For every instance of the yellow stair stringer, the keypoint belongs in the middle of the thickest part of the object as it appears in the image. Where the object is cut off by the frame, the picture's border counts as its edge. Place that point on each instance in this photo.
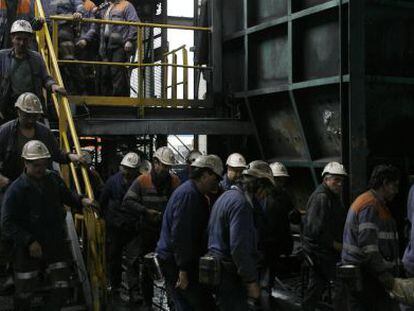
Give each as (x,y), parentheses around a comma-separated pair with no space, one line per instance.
(94,226)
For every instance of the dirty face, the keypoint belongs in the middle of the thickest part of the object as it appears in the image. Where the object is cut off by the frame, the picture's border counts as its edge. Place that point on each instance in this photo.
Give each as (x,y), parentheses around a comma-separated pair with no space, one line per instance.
(37,168)
(334,183)
(27,120)
(390,189)
(209,182)
(128,173)
(234,173)
(21,42)
(159,168)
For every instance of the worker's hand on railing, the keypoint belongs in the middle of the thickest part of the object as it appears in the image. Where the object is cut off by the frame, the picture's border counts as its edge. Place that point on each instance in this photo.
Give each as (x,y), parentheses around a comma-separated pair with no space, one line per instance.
(59,90)
(78,159)
(128,47)
(81,43)
(37,23)
(86,202)
(77,16)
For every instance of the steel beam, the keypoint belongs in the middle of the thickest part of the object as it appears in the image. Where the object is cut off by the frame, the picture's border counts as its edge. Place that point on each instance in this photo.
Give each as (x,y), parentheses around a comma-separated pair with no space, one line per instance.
(109,101)
(272,22)
(301,85)
(357,150)
(103,127)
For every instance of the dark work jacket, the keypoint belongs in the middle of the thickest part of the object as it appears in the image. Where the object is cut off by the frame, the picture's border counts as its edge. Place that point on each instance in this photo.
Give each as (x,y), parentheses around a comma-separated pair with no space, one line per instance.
(110,201)
(232,235)
(275,238)
(36,213)
(323,224)
(183,237)
(142,196)
(225,183)
(41,79)
(10,155)
(370,237)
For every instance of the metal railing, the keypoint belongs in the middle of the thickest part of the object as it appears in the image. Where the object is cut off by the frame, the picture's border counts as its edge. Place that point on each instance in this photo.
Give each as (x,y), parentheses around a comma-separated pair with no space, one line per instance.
(174,73)
(94,225)
(165,64)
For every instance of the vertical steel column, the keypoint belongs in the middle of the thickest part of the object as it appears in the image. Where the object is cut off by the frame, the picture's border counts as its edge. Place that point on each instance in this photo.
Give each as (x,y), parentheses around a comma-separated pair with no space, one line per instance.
(357,150)
(216,47)
(140,60)
(185,73)
(174,76)
(165,77)
(55,37)
(308,155)
(246,81)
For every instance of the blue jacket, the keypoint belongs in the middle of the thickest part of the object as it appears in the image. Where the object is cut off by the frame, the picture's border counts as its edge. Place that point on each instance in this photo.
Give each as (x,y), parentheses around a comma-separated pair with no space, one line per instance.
(88,31)
(115,36)
(408,258)
(225,183)
(63,7)
(183,237)
(370,237)
(41,78)
(111,199)
(11,163)
(232,233)
(35,211)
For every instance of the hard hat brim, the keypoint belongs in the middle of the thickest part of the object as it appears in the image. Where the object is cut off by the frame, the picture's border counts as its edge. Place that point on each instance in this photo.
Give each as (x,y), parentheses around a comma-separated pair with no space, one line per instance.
(281,175)
(255,173)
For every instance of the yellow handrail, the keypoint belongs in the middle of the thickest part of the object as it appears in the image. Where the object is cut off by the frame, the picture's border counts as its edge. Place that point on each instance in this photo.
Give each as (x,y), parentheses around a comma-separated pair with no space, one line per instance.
(174,80)
(95,228)
(125,23)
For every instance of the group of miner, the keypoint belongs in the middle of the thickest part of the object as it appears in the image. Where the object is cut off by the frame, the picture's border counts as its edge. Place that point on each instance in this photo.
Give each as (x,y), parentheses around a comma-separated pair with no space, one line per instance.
(216,237)
(23,70)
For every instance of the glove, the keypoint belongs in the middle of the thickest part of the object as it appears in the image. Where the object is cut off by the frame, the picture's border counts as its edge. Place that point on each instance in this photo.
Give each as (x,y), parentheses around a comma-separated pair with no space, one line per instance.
(403,291)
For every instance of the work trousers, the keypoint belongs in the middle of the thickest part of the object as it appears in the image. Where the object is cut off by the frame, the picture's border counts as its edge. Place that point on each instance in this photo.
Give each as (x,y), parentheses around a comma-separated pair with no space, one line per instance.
(117,240)
(73,74)
(373,296)
(195,298)
(149,242)
(90,77)
(27,273)
(114,79)
(231,294)
(322,277)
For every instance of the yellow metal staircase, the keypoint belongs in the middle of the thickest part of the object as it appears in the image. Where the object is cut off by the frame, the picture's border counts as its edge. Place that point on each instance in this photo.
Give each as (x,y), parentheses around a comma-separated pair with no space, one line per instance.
(94,226)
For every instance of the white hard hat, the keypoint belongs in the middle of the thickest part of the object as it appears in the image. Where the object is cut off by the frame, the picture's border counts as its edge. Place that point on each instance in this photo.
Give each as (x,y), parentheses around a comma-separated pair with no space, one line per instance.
(29,102)
(35,150)
(131,160)
(21,25)
(259,169)
(192,156)
(279,170)
(210,161)
(165,155)
(236,160)
(334,168)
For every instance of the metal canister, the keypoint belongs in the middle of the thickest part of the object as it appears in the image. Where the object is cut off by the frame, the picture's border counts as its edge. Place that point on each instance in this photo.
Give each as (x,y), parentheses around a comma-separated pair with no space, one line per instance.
(209,271)
(350,275)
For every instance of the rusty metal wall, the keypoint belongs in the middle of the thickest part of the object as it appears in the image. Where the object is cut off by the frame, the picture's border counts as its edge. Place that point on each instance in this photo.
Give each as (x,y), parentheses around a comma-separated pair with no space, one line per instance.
(324,80)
